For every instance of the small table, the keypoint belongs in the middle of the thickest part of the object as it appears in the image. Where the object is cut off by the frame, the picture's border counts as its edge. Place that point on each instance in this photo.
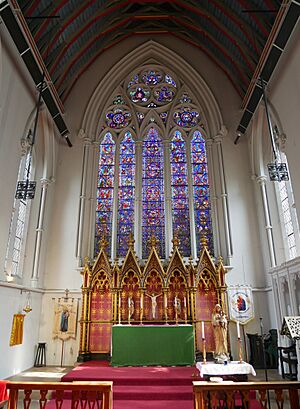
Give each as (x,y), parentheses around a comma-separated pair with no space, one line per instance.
(233,370)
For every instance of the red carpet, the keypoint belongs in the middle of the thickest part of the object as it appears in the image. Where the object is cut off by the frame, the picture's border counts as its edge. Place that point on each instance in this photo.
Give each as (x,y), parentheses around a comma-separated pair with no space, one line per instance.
(141,387)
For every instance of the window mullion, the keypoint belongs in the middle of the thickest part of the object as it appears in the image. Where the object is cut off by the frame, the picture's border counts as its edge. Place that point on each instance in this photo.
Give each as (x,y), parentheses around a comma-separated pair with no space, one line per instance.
(168,198)
(114,228)
(191,199)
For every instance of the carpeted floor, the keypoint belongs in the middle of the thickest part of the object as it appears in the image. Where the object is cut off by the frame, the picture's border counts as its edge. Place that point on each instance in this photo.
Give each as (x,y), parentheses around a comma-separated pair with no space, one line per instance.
(141,387)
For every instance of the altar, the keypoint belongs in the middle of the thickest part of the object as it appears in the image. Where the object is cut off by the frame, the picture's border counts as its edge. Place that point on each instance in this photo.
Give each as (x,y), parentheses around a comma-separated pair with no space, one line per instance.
(234,369)
(139,345)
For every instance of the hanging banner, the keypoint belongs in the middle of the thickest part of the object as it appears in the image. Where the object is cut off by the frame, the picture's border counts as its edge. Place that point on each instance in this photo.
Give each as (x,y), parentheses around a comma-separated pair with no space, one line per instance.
(65,319)
(16,336)
(240,303)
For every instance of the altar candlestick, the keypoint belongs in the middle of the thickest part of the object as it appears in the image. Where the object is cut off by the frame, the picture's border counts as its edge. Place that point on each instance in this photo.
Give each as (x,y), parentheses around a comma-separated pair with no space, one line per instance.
(203,333)
(238,329)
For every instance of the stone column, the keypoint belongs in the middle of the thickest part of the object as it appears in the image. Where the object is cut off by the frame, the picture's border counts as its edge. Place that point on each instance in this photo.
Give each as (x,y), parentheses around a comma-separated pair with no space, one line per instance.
(82,197)
(218,140)
(261,180)
(94,157)
(39,232)
(213,195)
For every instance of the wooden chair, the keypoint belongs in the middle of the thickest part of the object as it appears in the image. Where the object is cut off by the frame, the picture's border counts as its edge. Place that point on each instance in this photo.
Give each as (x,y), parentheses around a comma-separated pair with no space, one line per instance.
(288,355)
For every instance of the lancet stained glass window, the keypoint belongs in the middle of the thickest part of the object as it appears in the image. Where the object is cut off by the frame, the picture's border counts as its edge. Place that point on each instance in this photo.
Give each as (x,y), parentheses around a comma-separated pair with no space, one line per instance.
(179,186)
(201,189)
(126,193)
(105,190)
(153,219)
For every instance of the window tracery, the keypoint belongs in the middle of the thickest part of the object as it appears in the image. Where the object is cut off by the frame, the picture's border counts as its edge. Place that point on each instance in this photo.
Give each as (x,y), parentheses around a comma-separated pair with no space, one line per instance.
(157,154)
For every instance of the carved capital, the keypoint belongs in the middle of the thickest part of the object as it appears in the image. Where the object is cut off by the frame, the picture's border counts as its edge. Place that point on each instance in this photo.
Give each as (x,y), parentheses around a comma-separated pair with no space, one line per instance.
(261,180)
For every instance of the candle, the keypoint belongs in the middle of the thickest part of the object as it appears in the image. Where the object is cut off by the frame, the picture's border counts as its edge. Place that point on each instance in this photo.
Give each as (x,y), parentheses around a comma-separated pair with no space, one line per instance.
(184,302)
(203,333)
(238,329)
(141,302)
(120,301)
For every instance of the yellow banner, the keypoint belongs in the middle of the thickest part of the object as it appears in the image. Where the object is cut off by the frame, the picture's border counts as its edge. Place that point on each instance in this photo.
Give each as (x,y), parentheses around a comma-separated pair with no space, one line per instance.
(16,336)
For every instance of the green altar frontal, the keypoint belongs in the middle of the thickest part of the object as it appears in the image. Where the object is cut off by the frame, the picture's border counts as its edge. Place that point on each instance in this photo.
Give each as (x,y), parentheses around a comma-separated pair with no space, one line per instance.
(153,345)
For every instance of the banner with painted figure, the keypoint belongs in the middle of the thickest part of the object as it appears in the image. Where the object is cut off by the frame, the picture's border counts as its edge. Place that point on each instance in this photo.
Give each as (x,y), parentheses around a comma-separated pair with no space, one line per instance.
(65,319)
(240,303)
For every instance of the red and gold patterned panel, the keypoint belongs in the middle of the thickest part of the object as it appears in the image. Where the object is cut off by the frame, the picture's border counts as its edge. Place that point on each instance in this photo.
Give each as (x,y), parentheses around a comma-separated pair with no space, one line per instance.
(100,338)
(177,288)
(130,288)
(101,315)
(205,302)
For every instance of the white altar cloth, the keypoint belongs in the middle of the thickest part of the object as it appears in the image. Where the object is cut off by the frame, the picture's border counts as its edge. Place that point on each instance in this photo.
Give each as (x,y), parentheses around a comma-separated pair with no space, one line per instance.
(232,368)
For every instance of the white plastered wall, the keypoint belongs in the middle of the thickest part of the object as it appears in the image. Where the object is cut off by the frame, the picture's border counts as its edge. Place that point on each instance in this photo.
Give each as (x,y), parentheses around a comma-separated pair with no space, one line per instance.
(17,113)
(62,266)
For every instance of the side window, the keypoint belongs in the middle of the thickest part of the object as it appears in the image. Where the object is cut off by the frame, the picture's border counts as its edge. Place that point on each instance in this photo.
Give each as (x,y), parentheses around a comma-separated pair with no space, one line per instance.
(13,264)
(288,216)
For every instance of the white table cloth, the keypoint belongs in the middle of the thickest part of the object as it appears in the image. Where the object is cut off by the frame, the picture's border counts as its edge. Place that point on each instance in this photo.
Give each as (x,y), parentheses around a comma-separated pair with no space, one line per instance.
(232,368)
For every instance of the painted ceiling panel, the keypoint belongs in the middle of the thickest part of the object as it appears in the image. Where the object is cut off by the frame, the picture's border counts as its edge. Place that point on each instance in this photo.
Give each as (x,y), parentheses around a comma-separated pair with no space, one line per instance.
(71,34)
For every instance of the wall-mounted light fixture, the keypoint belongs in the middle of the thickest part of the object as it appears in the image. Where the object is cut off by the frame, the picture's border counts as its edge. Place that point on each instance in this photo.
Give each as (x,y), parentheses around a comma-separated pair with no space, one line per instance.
(277,170)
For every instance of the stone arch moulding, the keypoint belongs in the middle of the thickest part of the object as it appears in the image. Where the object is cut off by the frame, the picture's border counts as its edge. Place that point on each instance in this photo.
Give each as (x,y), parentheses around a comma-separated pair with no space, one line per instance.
(152,52)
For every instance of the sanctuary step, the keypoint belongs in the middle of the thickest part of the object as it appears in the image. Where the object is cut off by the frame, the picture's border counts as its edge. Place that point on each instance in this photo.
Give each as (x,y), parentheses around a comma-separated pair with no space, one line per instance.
(154,392)
(142,387)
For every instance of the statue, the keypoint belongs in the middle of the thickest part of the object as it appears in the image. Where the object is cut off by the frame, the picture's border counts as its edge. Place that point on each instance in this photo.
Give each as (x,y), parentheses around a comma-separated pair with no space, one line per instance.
(153,303)
(219,322)
(130,307)
(177,306)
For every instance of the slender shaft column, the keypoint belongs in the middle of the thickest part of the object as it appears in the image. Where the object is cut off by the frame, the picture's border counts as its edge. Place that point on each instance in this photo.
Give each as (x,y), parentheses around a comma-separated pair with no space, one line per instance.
(92,199)
(213,196)
(224,196)
(82,198)
(138,198)
(39,233)
(262,182)
(168,199)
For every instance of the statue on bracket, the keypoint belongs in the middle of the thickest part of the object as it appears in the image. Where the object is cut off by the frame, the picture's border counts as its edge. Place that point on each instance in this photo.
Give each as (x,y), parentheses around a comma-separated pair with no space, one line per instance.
(219,322)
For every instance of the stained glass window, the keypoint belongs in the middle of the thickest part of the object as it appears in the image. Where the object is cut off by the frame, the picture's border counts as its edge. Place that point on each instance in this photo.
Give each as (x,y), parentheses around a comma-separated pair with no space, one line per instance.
(152,77)
(153,220)
(186,117)
(105,190)
(179,185)
(126,193)
(201,189)
(149,99)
